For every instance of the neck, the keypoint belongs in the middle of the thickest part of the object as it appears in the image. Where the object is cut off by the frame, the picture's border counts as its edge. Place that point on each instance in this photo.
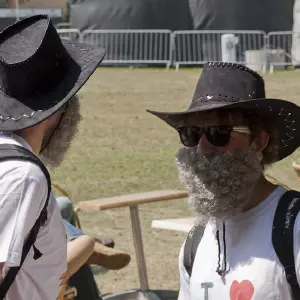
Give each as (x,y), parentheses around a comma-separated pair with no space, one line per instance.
(33,136)
(261,191)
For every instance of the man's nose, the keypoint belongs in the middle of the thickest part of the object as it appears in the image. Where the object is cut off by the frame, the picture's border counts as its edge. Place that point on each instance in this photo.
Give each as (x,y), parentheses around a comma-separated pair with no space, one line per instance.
(204,147)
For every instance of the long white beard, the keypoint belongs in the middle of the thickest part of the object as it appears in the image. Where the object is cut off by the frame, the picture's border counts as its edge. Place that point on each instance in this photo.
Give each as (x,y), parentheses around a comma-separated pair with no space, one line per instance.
(219,184)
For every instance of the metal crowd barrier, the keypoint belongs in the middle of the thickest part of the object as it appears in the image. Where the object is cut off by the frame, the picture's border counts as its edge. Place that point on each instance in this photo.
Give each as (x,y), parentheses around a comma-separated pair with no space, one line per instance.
(255,49)
(197,47)
(279,49)
(70,34)
(132,46)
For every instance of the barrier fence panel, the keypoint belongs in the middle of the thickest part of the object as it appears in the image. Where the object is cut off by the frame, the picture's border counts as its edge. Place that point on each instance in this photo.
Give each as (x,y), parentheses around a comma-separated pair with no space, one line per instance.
(197,47)
(69,34)
(132,46)
(279,49)
(164,47)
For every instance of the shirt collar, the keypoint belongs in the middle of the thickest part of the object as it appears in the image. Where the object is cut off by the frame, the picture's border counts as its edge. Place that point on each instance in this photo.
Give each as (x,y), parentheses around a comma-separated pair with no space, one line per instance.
(12,138)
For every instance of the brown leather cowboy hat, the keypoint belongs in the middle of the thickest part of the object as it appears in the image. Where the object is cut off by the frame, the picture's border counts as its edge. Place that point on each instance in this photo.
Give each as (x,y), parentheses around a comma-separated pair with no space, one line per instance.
(226,85)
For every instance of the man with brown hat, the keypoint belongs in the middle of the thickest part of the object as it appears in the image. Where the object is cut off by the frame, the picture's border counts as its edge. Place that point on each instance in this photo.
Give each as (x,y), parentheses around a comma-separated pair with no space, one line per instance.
(246,241)
(40,75)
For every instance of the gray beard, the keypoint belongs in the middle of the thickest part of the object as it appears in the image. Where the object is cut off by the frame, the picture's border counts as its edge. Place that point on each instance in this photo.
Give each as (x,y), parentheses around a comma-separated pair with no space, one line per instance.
(219,184)
(53,155)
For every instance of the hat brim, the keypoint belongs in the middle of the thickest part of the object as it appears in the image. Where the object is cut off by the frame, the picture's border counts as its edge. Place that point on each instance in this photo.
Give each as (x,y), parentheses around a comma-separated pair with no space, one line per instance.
(286,118)
(84,60)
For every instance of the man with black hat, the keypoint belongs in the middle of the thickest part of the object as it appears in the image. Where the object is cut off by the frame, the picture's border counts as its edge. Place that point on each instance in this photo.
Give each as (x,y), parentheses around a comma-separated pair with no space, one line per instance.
(246,241)
(39,112)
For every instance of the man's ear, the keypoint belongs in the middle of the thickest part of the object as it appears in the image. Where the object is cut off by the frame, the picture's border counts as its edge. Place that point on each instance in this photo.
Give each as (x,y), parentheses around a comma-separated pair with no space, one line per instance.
(261,141)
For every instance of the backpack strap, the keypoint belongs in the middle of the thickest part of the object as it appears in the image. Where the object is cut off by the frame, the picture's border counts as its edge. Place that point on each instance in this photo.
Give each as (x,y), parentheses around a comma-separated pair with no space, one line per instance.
(15,152)
(283,237)
(190,248)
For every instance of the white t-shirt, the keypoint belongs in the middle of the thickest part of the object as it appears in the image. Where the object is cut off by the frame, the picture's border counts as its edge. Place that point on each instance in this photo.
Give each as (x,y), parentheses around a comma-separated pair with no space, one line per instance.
(23,193)
(254,270)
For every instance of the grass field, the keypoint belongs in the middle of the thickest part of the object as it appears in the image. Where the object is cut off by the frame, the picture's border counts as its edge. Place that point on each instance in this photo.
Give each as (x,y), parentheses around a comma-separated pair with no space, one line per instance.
(122,149)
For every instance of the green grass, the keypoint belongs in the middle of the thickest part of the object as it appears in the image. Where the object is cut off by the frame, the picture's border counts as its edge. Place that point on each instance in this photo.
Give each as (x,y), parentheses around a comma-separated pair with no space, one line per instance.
(120,148)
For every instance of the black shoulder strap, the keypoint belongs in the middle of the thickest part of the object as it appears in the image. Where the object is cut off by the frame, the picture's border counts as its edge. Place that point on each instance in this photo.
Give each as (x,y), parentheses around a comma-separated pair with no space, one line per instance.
(14,152)
(283,236)
(190,248)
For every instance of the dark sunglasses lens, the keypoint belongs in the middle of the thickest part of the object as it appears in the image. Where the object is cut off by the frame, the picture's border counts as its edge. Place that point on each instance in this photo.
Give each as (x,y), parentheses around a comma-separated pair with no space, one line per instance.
(190,137)
(218,136)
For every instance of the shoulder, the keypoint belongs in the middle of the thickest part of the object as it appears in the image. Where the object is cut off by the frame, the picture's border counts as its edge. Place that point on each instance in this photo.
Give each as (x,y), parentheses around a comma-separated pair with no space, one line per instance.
(297,246)
(182,270)
(21,169)
(288,208)
(295,210)
(20,175)
(297,225)
(181,253)
(297,233)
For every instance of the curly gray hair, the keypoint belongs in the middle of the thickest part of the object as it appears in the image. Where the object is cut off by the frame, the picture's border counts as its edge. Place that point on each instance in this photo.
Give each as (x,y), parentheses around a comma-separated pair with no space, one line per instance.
(59,144)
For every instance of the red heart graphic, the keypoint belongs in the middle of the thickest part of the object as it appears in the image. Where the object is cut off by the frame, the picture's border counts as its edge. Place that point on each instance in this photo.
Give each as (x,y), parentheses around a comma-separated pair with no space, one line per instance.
(241,291)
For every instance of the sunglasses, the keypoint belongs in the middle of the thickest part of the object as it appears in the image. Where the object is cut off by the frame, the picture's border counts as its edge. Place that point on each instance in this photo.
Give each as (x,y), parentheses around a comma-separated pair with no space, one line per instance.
(218,136)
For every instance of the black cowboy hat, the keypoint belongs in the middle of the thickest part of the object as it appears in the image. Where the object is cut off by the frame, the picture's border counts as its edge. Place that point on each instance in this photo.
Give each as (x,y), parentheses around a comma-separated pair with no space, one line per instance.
(226,85)
(39,72)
